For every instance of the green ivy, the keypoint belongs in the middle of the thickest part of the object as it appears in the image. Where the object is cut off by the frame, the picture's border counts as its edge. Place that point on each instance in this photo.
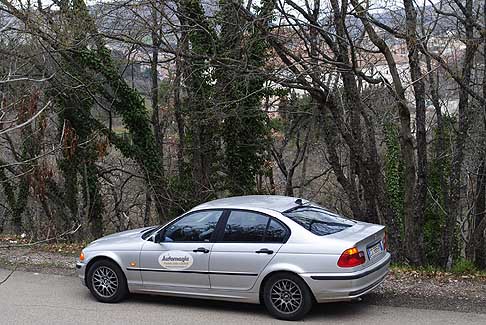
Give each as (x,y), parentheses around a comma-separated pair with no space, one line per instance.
(394,169)
(434,212)
(245,131)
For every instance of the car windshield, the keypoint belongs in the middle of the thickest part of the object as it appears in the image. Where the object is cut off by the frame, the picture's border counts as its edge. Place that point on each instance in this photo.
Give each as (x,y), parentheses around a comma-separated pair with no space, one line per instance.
(318,220)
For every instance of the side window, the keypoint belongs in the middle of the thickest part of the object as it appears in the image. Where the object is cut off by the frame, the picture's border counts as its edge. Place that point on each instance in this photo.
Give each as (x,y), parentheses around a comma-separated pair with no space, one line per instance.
(198,226)
(276,233)
(244,226)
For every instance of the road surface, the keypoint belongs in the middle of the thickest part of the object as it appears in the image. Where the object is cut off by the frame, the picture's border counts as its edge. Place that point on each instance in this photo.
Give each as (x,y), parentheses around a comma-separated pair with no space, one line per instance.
(32,298)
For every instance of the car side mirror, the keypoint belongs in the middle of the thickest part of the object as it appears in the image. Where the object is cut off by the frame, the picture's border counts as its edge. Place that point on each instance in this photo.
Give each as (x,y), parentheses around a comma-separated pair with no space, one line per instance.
(160,238)
(156,238)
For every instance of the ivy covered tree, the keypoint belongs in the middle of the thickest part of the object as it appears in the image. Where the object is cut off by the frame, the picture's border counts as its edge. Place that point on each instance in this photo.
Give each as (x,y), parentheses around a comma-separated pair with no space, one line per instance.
(239,92)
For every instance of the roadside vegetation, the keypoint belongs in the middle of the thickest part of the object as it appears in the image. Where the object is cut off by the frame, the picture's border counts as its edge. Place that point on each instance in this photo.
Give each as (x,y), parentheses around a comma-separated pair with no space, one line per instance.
(463,269)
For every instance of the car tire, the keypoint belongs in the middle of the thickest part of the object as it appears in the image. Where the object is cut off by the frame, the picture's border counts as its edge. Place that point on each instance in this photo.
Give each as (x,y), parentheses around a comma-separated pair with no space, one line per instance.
(287,297)
(107,282)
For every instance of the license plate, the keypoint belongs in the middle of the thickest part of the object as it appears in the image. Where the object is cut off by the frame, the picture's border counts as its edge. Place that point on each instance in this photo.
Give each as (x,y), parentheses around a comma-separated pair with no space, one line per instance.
(375,250)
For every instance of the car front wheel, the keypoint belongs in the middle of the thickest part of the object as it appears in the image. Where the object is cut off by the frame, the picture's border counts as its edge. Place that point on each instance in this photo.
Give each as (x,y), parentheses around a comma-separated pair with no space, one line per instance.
(287,297)
(106,281)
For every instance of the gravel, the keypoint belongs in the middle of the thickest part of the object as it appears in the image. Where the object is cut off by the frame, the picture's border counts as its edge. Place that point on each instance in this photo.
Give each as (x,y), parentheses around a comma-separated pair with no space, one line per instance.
(35,260)
(445,292)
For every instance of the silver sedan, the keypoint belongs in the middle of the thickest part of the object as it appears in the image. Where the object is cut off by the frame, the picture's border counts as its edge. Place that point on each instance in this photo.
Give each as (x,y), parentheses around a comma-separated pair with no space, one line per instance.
(284,252)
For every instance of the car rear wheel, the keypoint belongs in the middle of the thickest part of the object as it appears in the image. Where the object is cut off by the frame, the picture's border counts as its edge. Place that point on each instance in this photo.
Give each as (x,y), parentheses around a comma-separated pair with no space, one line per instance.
(107,282)
(287,297)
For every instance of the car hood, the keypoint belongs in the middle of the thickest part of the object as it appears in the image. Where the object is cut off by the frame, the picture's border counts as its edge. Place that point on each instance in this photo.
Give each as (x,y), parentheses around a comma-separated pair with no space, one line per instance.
(118,238)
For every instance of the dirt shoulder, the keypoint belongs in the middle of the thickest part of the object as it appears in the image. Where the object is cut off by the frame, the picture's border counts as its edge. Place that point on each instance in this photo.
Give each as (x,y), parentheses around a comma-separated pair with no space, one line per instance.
(52,259)
(402,288)
(437,291)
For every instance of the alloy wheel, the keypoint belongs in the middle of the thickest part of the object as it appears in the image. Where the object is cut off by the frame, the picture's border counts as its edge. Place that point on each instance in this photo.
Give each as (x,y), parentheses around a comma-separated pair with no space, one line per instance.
(286,296)
(105,281)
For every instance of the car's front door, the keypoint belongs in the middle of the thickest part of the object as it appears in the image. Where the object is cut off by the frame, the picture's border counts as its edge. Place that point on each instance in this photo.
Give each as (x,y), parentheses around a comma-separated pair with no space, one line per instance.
(179,254)
(249,242)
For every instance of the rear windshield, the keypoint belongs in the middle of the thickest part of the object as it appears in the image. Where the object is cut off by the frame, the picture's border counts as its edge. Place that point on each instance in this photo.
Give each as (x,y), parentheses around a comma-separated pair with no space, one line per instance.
(319,221)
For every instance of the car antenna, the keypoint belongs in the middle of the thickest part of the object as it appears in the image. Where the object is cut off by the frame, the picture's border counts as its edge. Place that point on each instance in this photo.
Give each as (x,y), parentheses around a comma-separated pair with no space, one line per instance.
(299,202)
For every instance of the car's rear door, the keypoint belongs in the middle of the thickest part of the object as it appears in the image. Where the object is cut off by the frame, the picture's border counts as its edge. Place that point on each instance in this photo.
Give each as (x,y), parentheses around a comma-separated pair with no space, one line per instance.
(248,243)
(179,255)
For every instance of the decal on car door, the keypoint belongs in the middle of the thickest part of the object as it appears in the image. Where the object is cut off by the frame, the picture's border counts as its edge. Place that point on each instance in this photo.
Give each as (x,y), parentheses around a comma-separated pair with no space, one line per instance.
(176,260)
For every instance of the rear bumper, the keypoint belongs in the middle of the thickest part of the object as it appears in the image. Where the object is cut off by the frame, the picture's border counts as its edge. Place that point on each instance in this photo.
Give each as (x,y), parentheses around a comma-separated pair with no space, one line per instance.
(346,286)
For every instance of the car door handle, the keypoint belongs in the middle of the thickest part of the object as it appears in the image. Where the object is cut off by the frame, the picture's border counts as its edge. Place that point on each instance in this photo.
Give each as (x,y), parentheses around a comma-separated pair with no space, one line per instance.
(202,250)
(264,251)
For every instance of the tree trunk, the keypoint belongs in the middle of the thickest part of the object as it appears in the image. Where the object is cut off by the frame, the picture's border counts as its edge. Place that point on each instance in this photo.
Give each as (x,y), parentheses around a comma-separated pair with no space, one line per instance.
(414,223)
(477,242)
(440,148)
(475,246)
(93,205)
(407,152)
(303,176)
(178,109)
(154,92)
(331,141)
(148,207)
(289,184)
(447,249)
(360,160)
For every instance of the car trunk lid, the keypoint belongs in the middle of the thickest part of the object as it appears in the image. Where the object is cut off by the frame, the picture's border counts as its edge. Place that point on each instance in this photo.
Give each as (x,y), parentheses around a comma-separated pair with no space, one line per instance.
(367,238)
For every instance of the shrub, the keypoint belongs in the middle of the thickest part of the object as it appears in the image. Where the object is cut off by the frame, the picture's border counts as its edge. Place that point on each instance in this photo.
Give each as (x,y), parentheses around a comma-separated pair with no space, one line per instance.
(464,267)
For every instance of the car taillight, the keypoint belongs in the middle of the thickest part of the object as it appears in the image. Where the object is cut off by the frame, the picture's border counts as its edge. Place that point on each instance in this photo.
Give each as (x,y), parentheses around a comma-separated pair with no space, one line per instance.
(351,258)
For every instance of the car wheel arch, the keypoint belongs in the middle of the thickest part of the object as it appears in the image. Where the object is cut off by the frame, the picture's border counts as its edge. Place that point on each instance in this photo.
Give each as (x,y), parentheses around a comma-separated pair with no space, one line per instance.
(270,274)
(100,258)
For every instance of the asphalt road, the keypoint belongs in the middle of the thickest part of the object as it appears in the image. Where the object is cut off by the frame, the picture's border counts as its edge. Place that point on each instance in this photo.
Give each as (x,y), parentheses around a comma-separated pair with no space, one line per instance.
(32,298)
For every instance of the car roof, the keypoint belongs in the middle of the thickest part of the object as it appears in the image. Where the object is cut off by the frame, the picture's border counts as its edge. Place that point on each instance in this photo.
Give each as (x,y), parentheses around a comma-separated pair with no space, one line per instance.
(271,202)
